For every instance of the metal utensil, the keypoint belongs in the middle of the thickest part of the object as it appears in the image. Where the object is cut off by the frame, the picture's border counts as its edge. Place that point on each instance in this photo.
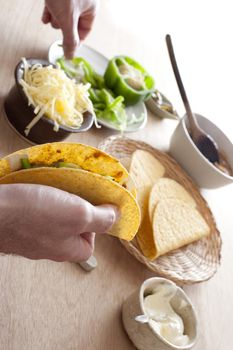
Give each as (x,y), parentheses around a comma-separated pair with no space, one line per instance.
(204,142)
(160,106)
(90,264)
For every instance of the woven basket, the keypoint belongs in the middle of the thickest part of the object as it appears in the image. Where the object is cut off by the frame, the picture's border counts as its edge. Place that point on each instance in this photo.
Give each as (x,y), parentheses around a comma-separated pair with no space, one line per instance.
(196,262)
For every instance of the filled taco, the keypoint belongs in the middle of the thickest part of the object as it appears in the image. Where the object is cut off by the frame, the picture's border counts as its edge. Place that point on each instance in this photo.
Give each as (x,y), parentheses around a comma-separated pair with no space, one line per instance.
(79,169)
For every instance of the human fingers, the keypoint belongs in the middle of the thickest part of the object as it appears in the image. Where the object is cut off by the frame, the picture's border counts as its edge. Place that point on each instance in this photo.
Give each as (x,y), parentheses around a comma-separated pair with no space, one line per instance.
(75,248)
(84,247)
(89,237)
(102,218)
(54,23)
(85,24)
(78,248)
(46,17)
(70,37)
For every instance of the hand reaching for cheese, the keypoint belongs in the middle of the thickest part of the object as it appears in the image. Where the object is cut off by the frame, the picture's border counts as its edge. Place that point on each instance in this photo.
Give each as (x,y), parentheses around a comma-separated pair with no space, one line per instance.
(74,17)
(41,222)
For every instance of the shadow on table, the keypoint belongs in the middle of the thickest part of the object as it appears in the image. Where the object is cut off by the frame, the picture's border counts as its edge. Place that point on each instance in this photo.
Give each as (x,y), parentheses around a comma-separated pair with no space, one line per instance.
(113,335)
(113,257)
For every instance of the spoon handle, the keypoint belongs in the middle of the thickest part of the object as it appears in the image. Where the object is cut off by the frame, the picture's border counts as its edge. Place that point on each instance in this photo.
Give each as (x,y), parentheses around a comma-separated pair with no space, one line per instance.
(192,118)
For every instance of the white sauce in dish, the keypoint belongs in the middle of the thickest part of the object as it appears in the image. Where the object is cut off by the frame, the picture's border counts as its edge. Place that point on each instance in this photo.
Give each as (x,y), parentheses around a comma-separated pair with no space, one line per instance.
(162,318)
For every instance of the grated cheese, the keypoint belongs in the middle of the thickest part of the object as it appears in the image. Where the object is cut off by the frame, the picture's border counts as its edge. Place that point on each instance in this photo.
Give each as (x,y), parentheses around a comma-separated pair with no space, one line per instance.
(56,96)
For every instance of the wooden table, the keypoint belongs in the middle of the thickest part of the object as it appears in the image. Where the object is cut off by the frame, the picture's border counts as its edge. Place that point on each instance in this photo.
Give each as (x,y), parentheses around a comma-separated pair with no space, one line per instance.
(57,306)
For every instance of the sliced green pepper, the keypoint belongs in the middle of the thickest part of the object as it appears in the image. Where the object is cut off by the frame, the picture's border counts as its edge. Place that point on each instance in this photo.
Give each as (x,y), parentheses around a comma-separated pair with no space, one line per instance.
(25,163)
(127,78)
(110,108)
(79,69)
(66,165)
(107,105)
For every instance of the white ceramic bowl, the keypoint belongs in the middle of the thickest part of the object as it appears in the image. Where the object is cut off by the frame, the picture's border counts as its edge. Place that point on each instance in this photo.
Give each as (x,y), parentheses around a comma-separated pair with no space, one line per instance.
(203,172)
(142,334)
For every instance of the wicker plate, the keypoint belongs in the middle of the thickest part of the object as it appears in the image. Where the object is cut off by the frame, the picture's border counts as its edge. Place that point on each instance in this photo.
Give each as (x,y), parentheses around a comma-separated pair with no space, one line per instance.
(193,263)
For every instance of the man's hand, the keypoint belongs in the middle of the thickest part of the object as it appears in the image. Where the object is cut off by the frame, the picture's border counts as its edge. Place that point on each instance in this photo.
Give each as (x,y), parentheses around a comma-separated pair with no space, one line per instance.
(74,17)
(41,222)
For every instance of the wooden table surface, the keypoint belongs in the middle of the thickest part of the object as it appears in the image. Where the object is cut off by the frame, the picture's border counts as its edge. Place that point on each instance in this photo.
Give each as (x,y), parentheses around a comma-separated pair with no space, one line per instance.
(57,306)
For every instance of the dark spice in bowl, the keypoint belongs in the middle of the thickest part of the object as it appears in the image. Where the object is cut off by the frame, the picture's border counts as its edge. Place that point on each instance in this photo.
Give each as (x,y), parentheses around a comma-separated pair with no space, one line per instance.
(223,165)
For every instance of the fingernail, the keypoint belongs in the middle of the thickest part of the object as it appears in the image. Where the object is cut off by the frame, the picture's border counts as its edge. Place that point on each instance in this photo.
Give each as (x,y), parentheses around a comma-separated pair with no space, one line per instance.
(117,213)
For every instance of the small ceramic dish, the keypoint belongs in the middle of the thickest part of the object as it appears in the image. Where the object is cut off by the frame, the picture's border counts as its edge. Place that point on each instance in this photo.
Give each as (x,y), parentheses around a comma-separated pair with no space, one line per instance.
(160,106)
(183,149)
(20,114)
(143,335)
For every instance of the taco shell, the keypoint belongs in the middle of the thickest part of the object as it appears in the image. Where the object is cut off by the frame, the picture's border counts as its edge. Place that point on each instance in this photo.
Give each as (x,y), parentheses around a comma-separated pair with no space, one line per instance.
(171,220)
(97,177)
(94,188)
(87,157)
(169,217)
(144,170)
(175,224)
(166,188)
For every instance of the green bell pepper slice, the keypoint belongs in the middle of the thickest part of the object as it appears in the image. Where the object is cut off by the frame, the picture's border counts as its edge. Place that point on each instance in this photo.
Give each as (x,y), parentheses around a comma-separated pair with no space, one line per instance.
(25,163)
(108,107)
(79,69)
(127,78)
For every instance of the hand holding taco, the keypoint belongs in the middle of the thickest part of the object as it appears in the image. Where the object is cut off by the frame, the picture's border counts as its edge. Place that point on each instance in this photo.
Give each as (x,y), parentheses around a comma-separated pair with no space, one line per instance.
(41,222)
(76,170)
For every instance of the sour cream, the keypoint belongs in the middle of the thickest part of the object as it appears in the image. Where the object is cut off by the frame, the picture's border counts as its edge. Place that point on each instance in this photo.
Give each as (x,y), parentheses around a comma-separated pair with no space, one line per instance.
(161,316)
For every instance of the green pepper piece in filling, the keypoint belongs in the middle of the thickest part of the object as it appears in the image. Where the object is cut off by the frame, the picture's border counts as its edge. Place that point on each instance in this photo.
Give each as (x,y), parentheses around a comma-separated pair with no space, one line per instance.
(66,165)
(127,78)
(25,163)
(109,177)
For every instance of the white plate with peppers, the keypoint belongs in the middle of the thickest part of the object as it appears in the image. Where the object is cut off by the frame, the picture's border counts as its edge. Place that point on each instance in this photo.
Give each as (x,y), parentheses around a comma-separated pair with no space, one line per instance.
(118,87)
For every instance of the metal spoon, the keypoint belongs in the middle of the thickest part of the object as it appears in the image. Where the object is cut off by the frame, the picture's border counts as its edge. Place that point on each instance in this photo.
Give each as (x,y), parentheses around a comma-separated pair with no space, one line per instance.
(204,142)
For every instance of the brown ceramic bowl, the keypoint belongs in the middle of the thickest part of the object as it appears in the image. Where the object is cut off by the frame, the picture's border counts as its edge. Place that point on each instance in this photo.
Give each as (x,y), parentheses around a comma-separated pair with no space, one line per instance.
(19,114)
